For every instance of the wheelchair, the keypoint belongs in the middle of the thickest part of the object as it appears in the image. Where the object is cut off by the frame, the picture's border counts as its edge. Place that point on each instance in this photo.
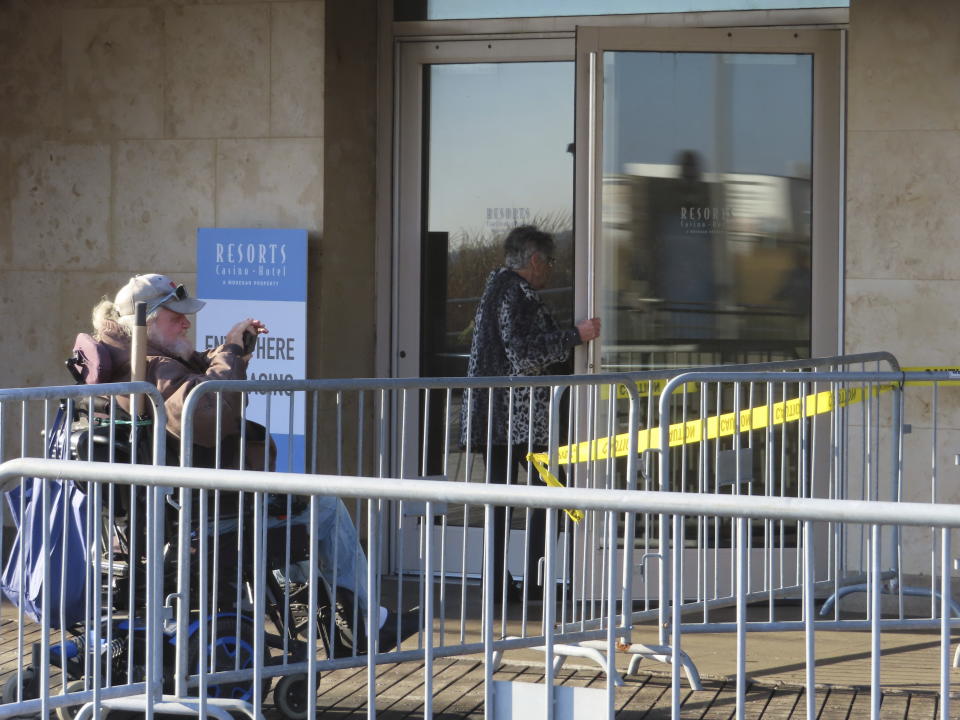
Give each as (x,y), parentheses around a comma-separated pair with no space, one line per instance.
(103,431)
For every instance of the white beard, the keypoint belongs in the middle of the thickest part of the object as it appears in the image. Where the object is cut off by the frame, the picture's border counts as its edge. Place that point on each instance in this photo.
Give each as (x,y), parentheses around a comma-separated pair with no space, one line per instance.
(180,347)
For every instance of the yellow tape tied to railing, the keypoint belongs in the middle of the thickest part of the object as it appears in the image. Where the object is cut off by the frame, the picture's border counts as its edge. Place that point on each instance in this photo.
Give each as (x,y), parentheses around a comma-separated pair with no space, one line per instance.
(695,431)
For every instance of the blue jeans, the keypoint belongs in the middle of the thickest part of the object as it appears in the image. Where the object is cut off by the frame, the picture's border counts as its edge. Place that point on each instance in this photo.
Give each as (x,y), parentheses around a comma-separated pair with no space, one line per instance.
(341,561)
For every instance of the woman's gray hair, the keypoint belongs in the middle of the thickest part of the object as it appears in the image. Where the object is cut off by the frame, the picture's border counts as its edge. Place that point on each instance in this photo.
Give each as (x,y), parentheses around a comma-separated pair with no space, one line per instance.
(105,314)
(521,244)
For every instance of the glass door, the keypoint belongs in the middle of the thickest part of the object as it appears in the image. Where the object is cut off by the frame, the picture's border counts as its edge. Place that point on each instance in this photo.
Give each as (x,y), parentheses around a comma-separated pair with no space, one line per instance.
(497,146)
(485,144)
(708,196)
(704,166)
(708,228)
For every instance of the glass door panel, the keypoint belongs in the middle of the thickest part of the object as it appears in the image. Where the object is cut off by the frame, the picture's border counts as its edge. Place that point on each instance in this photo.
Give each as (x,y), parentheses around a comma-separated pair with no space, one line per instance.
(703,254)
(710,236)
(485,144)
(497,142)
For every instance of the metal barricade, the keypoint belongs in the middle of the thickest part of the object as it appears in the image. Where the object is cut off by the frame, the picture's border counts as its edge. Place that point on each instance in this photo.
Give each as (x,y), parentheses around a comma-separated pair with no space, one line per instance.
(869,436)
(412,428)
(82,578)
(500,698)
(231,588)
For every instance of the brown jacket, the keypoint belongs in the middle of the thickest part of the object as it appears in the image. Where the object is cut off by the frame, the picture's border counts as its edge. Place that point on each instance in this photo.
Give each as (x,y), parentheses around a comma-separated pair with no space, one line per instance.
(175,378)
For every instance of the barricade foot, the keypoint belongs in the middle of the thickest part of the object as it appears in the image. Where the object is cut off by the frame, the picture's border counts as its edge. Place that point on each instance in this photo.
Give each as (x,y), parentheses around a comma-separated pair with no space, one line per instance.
(563,651)
(663,654)
(588,651)
(219,708)
(888,588)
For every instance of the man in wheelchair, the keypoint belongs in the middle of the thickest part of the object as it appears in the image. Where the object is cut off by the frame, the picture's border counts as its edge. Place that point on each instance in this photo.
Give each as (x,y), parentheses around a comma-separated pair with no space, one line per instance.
(175,367)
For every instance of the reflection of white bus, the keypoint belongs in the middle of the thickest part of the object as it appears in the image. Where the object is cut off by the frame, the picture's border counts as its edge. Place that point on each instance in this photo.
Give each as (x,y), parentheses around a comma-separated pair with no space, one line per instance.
(770,205)
(705,260)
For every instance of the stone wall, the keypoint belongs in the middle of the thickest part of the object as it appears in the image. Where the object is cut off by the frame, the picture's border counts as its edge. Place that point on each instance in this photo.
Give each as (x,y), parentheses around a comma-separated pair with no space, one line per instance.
(903,219)
(127,124)
(903,150)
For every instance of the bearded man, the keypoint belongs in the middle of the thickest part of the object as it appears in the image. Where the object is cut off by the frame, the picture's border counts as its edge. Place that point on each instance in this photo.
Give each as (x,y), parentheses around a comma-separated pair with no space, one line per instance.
(175,367)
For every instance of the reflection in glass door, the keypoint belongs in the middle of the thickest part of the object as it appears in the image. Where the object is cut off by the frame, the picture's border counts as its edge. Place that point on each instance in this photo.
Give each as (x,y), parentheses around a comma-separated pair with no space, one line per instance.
(497,141)
(704,246)
(709,200)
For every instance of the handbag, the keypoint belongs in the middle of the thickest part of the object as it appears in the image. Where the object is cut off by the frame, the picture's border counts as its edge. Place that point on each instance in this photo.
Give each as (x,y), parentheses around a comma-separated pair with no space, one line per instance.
(66,547)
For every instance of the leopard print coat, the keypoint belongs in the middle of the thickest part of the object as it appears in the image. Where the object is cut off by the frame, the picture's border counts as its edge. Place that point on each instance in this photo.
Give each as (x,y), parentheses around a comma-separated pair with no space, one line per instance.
(513,335)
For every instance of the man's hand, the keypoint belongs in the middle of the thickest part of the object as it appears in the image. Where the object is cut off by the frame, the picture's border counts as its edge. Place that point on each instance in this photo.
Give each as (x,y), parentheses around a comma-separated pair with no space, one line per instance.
(250,325)
(589,329)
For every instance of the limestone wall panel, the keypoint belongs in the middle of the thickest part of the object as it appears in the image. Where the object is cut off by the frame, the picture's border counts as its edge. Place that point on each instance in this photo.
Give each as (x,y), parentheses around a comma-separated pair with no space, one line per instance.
(919,403)
(903,218)
(345,267)
(217,71)
(6,230)
(113,60)
(34,298)
(164,192)
(296,70)
(902,58)
(912,319)
(61,206)
(903,165)
(270,183)
(31,82)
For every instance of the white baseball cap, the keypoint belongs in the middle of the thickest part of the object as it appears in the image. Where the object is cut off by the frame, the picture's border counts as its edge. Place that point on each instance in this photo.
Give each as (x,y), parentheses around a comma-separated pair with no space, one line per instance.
(155,290)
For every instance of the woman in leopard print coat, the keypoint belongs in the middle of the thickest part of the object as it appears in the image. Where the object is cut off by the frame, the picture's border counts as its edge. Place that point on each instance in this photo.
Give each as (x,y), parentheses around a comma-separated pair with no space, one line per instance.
(515,335)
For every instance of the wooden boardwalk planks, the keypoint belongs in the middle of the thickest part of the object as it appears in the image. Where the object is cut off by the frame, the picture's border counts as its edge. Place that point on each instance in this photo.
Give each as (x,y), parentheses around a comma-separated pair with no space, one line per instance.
(458,693)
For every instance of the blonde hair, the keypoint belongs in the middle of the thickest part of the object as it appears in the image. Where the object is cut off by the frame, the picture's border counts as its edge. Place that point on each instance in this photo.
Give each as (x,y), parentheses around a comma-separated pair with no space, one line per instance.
(105,314)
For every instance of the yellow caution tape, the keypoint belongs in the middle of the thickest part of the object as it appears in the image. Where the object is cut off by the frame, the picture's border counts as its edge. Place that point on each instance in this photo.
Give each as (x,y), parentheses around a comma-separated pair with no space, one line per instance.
(695,431)
(717,426)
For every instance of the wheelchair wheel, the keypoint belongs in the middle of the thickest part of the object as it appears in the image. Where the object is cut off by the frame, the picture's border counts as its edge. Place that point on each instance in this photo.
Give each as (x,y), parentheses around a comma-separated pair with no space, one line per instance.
(290,696)
(69,712)
(230,651)
(28,686)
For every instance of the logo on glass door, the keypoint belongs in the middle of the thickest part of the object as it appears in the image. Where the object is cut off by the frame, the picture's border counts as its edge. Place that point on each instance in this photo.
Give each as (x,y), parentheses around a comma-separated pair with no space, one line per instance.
(500,219)
(704,219)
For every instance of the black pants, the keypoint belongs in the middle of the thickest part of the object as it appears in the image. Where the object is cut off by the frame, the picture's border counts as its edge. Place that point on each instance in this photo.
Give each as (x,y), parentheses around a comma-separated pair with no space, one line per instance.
(500,472)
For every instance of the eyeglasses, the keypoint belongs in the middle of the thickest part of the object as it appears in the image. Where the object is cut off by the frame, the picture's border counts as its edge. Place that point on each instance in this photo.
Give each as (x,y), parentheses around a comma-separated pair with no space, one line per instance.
(179,292)
(551,261)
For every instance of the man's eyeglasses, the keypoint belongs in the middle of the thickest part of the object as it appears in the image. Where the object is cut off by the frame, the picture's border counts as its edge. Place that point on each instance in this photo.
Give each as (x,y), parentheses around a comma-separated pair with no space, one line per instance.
(551,260)
(179,292)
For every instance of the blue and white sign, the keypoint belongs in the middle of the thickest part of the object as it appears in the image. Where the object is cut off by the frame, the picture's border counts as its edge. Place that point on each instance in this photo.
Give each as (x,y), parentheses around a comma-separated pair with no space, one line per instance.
(260,274)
